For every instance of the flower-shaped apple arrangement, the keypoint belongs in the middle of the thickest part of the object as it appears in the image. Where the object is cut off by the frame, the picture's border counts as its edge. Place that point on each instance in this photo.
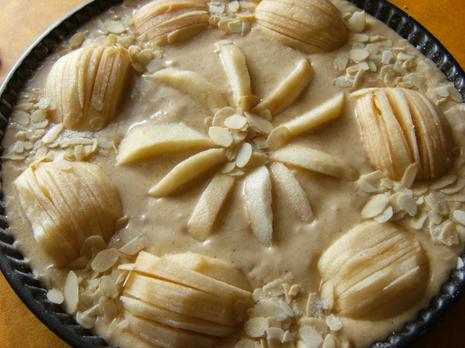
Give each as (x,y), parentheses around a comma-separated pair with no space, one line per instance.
(241,141)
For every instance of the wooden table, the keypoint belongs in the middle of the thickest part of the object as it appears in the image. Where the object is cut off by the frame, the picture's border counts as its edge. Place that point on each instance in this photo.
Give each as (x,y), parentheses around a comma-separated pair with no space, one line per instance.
(21,21)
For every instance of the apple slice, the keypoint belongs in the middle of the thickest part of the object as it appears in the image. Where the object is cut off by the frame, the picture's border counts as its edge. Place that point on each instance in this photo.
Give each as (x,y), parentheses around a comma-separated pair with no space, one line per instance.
(235,67)
(315,161)
(192,84)
(203,217)
(174,320)
(289,90)
(209,266)
(394,134)
(166,337)
(294,194)
(154,266)
(257,199)
(188,170)
(324,113)
(149,140)
(181,299)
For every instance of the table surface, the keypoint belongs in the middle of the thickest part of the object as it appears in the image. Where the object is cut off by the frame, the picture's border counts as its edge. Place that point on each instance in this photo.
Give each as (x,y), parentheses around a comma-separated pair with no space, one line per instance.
(35,16)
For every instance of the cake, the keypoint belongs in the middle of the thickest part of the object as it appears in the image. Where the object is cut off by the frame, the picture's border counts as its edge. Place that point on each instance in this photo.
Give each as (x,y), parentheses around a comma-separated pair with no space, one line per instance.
(274,173)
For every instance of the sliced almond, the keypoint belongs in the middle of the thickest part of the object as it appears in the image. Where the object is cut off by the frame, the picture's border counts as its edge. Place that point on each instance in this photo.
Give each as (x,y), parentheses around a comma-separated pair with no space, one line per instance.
(220,136)
(244,155)
(71,292)
(235,122)
(55,296)
(375,206)
(105,259)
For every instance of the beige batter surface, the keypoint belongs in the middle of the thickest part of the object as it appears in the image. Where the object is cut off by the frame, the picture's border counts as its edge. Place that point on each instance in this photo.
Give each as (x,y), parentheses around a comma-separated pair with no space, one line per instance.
(297,246)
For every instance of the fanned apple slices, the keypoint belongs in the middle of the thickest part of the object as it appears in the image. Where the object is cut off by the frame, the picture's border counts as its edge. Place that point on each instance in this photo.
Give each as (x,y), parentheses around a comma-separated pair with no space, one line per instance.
(66,202)
(309,25)
(376,270)
(85,86)
(400,127)
(170,21)
(184,300)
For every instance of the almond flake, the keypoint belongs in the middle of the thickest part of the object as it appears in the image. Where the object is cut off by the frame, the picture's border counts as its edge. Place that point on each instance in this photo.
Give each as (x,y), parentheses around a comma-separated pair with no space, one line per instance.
(108,308)
(38,116)
(244,154)
(342,82)
(104,260)
(457,187)
(107,287)
(55,296)
(77,39)
(460,263)
(407,203)
(256,327)
(418,222)
(359,54)
(220,136)
(85,320)
(115,27)
(341,61)
(132,247)
(327,295)
(71,292)
(385,216)
(274,333)
(387,57)
(21,117)
(435,201)
(259,124)
(330,341)
(409,176)
(357,22)
(459,216)
(235,122)
(333,322)
(228,167)
(448,234)
(310,336)
(52,134)
(444,182)
(375,206)
(312,307)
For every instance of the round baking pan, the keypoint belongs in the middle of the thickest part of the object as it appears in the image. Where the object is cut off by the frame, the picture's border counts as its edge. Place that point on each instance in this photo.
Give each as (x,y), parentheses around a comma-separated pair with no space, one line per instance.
(15,266)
